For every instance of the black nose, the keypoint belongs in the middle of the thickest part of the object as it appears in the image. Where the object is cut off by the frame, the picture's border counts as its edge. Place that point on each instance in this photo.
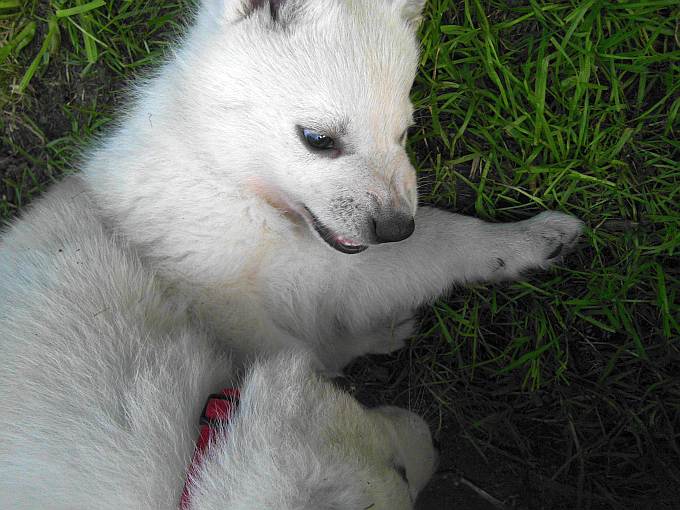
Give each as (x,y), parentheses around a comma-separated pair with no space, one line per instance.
(394,227)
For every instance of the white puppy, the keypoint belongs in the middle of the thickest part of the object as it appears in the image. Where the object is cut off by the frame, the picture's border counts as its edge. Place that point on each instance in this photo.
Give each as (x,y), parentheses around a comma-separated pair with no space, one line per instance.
(263,171)
(103,379)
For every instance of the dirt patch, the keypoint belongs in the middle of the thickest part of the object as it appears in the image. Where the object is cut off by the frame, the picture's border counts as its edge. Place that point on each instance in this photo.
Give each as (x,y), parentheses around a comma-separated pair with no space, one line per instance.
(43,130)
(566,447)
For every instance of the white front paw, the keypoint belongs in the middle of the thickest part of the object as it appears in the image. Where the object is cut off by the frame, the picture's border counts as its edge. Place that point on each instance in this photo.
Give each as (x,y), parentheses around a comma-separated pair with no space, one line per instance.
(551,235)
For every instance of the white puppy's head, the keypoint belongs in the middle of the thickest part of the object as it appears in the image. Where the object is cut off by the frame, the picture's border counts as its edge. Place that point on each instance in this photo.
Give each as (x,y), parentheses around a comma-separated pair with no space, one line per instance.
(306,104)
(298,443)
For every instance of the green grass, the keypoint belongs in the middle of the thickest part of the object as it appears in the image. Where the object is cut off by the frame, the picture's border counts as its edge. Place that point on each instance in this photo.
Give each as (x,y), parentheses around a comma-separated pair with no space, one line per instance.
(573,377)
(570,106)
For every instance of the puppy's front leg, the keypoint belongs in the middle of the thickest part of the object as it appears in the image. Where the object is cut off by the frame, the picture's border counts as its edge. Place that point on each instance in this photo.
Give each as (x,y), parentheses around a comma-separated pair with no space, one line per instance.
(446,249)
(349,305)
(475,250)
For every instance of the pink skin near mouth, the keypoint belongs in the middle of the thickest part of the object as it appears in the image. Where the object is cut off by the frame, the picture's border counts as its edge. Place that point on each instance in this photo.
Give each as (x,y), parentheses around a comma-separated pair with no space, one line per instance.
(345,241)
(277,199)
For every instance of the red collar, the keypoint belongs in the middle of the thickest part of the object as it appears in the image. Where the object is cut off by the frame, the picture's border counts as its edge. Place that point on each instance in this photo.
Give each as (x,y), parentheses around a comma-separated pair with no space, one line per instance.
(219,409)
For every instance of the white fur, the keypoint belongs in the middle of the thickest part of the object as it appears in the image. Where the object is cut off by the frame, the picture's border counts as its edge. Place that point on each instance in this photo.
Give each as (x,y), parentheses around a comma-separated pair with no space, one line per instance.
(103,380)
(185,241)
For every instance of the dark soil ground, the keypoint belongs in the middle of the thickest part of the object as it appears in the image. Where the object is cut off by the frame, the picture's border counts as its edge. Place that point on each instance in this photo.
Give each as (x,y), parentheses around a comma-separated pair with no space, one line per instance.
(515,449)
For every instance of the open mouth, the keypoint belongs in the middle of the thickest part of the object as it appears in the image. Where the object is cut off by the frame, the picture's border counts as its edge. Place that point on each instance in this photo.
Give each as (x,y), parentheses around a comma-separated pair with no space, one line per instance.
(341,243)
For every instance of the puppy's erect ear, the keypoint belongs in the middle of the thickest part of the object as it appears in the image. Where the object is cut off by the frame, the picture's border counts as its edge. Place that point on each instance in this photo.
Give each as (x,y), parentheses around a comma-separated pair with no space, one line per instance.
(411,11)
(274,6)
(233,10)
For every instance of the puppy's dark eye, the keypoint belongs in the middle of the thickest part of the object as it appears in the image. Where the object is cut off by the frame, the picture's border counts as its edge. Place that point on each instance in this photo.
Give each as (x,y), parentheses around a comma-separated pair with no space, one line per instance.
(317,140)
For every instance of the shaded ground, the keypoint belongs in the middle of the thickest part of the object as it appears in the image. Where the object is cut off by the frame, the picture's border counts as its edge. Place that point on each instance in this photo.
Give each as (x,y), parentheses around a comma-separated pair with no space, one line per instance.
(562,392)
(527,450)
